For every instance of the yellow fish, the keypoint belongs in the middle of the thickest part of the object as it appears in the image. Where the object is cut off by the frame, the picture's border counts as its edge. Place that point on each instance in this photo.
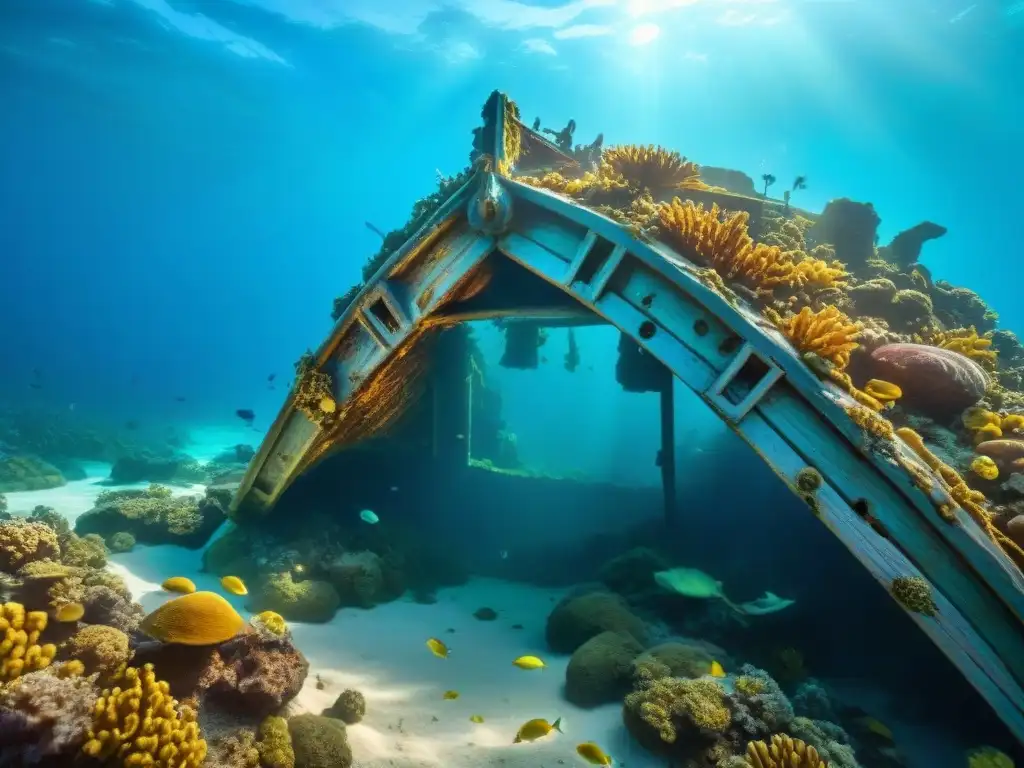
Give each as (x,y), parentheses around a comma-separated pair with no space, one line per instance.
(179,584)
(451,695)
(877,727)
(234,585)
(529,662)
(532,730)
(717,670)
(437,648)
(593,754)
(476,718)
(70,612)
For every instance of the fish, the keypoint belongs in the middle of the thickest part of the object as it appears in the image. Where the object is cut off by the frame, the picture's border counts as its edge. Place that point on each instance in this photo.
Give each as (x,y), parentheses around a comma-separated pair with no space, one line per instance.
(450,695)
(876,727)
(70,612)
(532,730)
(234,585)
(476,718)
(503,554)
(437,648)
(271,377)
(246,415)
(179,584)
(717,670)
(369,516)
(529,662)
(593,754)
(180,399)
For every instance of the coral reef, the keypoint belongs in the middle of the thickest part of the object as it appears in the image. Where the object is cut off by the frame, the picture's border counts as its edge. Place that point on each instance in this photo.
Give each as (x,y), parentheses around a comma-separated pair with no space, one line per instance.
(578,618)
(850,227)
(310,600)
(154,516)
(24,542)
(100,649)
(275,744)
(145,467)
(349,707)
(358,578)
(829,333)
(601,670)
(20,651)
(783,752)
(28,473)
(661,709)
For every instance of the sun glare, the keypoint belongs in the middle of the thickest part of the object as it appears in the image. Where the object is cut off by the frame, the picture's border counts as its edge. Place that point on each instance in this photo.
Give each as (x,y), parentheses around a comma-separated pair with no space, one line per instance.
(642,34)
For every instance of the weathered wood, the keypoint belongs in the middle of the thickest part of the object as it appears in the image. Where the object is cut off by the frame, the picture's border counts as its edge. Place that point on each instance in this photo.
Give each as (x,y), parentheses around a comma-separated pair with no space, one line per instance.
(667,453)
(742,367)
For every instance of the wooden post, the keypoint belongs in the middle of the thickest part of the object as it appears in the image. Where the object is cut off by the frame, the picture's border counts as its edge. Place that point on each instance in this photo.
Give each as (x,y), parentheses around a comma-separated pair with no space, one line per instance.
(667,454)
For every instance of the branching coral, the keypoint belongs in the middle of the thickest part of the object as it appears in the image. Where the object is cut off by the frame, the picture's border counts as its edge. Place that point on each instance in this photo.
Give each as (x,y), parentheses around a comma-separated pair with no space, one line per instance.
(651,168)
(725,245)
(829,334)
(783,752)
(138,722)
(668,703)
(967,342)
(20,651)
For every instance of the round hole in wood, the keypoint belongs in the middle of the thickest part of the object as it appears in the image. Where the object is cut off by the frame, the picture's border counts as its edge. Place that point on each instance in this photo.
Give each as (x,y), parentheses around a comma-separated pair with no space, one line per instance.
(647,329)
(729,345)
(701,327)
(647,300)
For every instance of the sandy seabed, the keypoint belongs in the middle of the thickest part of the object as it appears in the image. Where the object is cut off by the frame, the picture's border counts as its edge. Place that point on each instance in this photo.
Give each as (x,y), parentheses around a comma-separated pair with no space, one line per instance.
(382,653)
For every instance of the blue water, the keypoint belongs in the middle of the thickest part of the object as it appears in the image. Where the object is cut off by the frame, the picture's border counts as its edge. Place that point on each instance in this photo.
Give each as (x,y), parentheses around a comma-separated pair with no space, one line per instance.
(185,188)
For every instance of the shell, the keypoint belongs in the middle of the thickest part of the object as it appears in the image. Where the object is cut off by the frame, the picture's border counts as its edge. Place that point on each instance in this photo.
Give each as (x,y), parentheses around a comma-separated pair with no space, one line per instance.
(202,618)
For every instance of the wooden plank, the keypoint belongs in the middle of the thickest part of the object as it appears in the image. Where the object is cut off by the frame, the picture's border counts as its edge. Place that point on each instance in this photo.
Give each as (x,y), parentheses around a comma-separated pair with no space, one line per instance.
(993,566)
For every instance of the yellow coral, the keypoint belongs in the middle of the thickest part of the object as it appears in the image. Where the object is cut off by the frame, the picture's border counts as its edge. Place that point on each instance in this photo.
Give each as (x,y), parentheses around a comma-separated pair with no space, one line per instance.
(725,245)
(829,334)
(988,757)
(967,342)
(99,648)
(20,651)
(749,686)
(650,167)
(978,417)
(664,702)
(883,391)
(313,388)
(21,542)
(274,622)
(202,618)
(138,723)
(985,468)
(783,752)
(73,668)
(511,139)
(1011,422)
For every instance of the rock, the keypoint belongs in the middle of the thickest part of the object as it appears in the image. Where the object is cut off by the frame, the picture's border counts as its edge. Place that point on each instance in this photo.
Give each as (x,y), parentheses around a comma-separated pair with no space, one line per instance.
(485,614)
(319,742)
(578,618)
(631,572)
(358,577)
(1002,452)
(736,182)
(937,382)
(905,248)
(600,670)
(1015,530)
(28,473)
(684,659)
(253,674)
(310,600)
(849,227)
(961,307)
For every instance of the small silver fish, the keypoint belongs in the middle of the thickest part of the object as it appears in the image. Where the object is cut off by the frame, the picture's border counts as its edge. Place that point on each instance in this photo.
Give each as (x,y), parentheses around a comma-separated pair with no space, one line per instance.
(504,554)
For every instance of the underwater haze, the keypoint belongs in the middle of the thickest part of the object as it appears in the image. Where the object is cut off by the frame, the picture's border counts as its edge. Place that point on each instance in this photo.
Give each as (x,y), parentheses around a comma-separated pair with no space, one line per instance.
(333,433)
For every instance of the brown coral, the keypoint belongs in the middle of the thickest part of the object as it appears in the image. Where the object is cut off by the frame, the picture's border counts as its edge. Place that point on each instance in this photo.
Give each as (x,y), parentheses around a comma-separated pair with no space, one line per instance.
(651,168)
(829,334)
(783,752)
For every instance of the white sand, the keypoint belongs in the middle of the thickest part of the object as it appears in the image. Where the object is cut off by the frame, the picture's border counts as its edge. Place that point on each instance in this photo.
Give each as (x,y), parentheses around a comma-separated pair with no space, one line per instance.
(382,653)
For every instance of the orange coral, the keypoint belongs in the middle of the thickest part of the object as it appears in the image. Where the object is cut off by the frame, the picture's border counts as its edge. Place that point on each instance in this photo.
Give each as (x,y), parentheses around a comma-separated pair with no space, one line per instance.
(649,167)
(968,343)
(883,391)
(725,245)
(829,334)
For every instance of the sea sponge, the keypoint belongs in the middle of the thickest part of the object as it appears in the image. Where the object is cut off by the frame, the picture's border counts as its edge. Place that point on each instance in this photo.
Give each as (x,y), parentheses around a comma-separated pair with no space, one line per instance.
(914,594)
(275,743)
(600,670)
(100,649)
(122,541)
(44,718)
(20,651)
(319,742)
(679,659)
(783,752)
(651,168)
(310,600)
(668,704)
(138,722)
(985,468)
(967,342)
(349,707)
(22,542)
(201,618)
(883,391)
(829,333)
